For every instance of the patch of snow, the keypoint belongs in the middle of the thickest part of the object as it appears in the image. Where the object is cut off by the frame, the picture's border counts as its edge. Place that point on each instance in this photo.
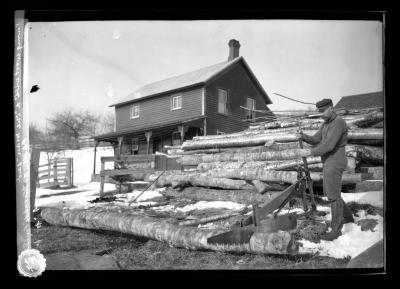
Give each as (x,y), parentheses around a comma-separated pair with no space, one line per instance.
(215,204)
(374,198)
(145,196)
(351,243)
(81,199)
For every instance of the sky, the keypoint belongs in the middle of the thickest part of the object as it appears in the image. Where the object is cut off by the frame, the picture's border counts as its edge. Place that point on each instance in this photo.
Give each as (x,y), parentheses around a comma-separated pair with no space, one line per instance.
(89,65)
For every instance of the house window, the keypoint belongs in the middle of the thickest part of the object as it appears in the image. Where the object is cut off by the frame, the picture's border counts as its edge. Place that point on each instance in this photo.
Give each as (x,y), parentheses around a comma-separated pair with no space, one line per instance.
(134,112)
(222,101)
(176,138)
(251,104)
(177,102)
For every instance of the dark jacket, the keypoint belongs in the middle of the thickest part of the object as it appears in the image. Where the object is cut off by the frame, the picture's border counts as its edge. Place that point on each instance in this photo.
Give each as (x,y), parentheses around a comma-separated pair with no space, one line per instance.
(330,140)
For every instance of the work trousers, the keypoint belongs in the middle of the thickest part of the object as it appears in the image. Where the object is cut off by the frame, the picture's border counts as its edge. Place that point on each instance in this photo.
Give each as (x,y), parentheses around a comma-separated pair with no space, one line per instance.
(333,168)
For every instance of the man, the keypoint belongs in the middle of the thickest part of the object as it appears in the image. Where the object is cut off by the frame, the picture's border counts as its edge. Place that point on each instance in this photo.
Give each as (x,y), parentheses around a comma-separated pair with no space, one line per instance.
(330,142)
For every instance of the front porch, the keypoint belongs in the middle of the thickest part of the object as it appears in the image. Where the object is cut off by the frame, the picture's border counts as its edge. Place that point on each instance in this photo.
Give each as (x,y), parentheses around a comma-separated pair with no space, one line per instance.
(136,149)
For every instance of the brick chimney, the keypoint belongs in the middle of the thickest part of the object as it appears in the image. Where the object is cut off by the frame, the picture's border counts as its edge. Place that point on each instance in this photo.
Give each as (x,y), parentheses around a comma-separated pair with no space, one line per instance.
(234,46)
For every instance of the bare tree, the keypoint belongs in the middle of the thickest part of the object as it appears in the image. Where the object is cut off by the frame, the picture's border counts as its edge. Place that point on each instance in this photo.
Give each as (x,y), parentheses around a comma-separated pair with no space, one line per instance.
(68,125)
(106,124)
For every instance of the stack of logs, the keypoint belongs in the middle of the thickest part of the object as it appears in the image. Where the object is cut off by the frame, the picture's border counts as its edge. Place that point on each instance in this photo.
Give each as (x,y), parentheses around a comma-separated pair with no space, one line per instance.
(243,166)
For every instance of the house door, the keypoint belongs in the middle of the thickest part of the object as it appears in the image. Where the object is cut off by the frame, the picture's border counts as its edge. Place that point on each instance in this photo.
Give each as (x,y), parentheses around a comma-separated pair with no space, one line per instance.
(157,144)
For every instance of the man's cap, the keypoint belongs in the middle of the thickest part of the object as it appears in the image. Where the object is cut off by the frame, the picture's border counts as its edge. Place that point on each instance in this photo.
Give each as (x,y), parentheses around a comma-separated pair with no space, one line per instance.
(323,104)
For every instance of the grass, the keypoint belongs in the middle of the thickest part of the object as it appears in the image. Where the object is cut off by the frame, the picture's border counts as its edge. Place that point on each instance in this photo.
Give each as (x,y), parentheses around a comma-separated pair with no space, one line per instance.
(133,253)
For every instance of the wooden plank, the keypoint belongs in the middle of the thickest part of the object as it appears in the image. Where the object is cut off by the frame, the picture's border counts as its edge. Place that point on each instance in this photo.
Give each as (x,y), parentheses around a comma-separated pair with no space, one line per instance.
(124,172)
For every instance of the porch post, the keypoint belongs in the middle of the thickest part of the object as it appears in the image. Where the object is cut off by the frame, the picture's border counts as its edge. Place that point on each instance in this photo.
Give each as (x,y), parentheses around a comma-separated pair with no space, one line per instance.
(148,136)
(205,126)
(120,140)
(182,129)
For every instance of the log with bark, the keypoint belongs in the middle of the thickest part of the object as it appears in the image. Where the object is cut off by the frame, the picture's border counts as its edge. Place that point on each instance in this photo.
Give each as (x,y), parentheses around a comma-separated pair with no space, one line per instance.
(240,157)
(369,154)
(260,139)
(279,176)
(209,219)
(270,165)
(199,180)
(280,242)
(237,196)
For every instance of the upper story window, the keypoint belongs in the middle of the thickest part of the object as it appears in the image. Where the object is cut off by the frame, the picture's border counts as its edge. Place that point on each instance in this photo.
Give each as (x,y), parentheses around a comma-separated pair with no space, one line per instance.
(222,101)
(251,104)
(134,111)
(176,102)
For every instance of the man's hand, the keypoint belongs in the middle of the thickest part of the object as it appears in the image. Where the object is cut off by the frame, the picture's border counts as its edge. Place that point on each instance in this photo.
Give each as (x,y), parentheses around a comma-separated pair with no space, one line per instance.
(305,153)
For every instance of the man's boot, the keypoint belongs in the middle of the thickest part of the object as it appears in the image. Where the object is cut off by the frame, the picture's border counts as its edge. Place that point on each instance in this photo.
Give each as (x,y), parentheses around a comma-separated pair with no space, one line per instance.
(347,213)
(336,222)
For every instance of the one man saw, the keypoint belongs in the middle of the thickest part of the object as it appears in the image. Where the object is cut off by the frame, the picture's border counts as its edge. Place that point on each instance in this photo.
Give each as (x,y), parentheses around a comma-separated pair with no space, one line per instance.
(329,143)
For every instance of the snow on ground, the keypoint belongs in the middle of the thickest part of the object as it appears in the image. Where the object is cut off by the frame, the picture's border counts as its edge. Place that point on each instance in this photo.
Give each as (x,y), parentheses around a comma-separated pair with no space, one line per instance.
(145,196)
(374,198)
(351,243)
(201,205)
(82,162)
(70,198)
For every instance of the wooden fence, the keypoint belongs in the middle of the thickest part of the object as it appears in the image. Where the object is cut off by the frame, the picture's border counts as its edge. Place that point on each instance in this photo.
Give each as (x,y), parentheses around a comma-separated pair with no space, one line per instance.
(58,172)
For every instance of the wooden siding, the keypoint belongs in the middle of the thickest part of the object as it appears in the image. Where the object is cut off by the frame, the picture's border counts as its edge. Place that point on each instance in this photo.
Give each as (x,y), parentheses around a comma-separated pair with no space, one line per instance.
(239,87)
(156,111)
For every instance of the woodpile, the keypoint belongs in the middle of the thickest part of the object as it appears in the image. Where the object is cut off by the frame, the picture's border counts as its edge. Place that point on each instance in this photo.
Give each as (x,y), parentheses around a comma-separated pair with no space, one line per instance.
(267,155)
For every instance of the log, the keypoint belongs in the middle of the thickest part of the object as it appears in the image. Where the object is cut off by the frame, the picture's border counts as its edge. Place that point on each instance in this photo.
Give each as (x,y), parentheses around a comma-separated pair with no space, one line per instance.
(202,181)
(237,196)
(272,165)
(228,150)
(178,236)
(370,154)
(240,157)
(365,120)
(259,139)
(208,219)
(280,176)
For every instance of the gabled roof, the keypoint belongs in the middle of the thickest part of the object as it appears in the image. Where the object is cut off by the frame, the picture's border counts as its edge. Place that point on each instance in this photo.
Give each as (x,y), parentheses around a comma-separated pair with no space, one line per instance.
(197,77)
(361,101)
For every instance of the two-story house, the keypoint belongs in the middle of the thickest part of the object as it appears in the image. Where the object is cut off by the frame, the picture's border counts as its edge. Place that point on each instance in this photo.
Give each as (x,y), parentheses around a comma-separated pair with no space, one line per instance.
(203,102)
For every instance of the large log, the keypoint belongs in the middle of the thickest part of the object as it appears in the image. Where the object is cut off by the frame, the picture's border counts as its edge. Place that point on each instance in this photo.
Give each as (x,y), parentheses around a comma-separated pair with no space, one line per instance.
(179,236)
(260,139)
(272,165)
(369,154)
(279,176)
(240,157)
(237,196)
(202,181)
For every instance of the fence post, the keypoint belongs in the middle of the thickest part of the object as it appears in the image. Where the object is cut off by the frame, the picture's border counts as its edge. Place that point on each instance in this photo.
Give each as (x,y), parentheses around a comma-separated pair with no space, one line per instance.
(35,156)
(68,172)
(72,172)
(102,177)
(55,177)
